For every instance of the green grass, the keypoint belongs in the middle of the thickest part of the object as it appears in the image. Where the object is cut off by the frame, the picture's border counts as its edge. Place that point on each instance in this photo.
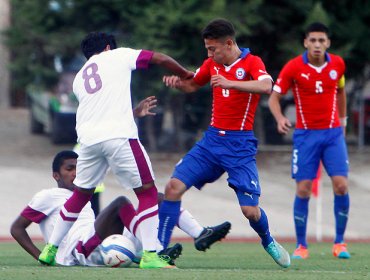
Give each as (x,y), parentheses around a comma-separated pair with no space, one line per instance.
(224,261)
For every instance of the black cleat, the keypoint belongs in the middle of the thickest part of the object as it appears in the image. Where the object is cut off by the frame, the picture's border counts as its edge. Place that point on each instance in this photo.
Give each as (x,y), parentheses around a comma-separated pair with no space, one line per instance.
(172,252)
(211,235)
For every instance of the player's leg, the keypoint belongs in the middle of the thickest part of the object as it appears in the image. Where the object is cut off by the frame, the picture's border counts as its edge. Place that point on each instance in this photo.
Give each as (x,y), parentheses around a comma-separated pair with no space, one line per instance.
(240,164)
(259,222)
(305,162)
(91,168)
(300,215)
(130,162)
(169,212)
(195,169)
(107,223)
(335,160)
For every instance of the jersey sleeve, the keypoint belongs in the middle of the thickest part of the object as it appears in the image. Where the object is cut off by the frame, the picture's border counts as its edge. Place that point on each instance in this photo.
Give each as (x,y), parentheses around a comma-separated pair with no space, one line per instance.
(135,59)
(202,74)
(257,69)
(40,206)
(285,79)
(342,82)
(144,59)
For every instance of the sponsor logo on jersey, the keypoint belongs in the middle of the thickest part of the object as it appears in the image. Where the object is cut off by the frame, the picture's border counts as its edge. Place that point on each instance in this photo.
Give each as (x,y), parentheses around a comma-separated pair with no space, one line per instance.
(307,76)
(249,194)
(254,183)
(240,73)
(333,74)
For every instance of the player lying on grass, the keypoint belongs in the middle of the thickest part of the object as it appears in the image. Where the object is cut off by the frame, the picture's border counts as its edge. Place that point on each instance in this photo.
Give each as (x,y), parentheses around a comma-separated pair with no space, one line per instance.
(81,245)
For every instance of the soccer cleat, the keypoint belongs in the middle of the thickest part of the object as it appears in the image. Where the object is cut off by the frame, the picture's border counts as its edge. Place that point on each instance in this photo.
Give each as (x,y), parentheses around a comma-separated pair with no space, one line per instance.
(172,252)
(340,251)
(301,252)
(210,235)
(153,260)
(278,253)
(47,256)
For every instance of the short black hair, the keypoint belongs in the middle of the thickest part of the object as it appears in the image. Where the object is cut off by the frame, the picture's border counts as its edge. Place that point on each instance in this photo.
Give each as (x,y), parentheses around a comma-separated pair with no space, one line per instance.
(317,27)
(95,42)
(218,28)
(61,157)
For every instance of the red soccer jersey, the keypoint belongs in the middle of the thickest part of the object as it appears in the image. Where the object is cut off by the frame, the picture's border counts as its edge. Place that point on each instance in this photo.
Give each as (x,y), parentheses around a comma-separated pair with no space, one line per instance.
(233,109)
(314,89)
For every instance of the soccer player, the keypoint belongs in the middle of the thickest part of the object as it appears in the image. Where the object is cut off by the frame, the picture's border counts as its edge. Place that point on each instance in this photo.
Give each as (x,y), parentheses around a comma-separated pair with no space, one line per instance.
(238,78)
(81,245)
(317,80)
(108,136)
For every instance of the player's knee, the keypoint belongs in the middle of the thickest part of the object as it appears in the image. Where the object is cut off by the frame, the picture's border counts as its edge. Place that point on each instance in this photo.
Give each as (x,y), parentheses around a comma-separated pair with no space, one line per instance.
(174,190)
(340,185)
(121,201)
(340,189)
(252,213)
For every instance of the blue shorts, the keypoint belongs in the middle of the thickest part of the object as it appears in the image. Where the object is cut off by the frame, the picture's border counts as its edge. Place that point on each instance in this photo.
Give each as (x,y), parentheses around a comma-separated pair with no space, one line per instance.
(223,151)
(310,146)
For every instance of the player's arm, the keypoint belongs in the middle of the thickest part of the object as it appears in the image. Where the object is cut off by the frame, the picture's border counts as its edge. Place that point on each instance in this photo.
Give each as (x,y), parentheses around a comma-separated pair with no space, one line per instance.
(263,86)
(283,123)
(145,106)
(170,64)
(342,102)
(19,232)
(185,85)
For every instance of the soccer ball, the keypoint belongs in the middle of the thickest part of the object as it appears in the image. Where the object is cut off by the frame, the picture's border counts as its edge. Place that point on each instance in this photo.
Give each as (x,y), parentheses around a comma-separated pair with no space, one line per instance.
(117,251)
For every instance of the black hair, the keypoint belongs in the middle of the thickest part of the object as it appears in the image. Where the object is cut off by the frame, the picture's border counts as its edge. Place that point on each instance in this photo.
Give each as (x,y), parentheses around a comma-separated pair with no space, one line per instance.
(61,157)
(317,27)
(218,28)
(96,42)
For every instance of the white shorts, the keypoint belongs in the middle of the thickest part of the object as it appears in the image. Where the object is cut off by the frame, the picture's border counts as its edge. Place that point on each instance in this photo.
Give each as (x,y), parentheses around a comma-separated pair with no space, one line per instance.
(67,253)
(127,159)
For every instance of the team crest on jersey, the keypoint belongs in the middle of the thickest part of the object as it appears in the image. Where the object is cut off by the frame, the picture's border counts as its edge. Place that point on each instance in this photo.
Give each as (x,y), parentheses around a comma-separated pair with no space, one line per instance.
(240,73)
(333,74)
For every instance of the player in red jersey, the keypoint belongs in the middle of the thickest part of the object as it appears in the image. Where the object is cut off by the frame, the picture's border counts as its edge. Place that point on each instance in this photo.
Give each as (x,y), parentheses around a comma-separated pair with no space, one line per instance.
(317,81)
(237,78)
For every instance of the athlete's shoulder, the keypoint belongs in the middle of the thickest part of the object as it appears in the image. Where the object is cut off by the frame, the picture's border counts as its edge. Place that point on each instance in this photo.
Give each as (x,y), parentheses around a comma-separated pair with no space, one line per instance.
(336,58)
(53,193)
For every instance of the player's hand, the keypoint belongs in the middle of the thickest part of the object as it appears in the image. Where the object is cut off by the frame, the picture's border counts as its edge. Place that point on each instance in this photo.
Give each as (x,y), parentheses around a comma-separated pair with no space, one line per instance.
(145,106)
(188,75)
(220,81)
(284,125)
(171,81)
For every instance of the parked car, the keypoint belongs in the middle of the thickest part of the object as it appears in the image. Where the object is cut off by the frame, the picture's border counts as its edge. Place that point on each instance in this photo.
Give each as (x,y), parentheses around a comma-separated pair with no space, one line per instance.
(54,112)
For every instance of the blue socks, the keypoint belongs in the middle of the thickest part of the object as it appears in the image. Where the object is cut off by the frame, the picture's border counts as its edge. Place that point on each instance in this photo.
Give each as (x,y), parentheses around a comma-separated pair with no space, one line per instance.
(169,213)
(300,213)
(262,229)
(341,208)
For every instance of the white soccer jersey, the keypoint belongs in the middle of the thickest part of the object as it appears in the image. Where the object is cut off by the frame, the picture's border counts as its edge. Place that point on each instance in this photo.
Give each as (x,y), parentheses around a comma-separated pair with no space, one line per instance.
(102,87)
(44,208)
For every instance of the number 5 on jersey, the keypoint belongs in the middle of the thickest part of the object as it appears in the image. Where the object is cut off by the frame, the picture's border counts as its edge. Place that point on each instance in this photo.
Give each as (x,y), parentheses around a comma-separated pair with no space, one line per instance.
(92,80)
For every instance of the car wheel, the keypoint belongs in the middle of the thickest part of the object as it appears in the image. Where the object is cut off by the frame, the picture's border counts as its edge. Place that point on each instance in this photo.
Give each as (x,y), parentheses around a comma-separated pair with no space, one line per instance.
(35,126)
(56,133)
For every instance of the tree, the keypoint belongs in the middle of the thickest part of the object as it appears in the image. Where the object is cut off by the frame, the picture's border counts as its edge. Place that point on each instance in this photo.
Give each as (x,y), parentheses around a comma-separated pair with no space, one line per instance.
(47,29)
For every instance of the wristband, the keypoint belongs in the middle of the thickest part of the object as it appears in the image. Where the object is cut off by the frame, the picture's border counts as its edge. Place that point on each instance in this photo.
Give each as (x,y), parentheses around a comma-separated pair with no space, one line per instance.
(343,121)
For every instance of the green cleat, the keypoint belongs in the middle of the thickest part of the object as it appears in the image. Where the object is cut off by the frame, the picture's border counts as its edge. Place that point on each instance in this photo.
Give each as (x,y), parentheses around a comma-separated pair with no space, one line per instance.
(47,256)
(278,253)
(152,260)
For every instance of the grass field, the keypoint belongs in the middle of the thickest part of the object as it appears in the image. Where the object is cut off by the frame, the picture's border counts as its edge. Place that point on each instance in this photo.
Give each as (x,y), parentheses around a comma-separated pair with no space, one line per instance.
(224,261)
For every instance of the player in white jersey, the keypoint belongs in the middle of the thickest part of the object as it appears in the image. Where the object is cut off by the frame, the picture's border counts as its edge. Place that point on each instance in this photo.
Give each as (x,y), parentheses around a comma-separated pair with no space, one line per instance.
(108,136)
(81,245)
